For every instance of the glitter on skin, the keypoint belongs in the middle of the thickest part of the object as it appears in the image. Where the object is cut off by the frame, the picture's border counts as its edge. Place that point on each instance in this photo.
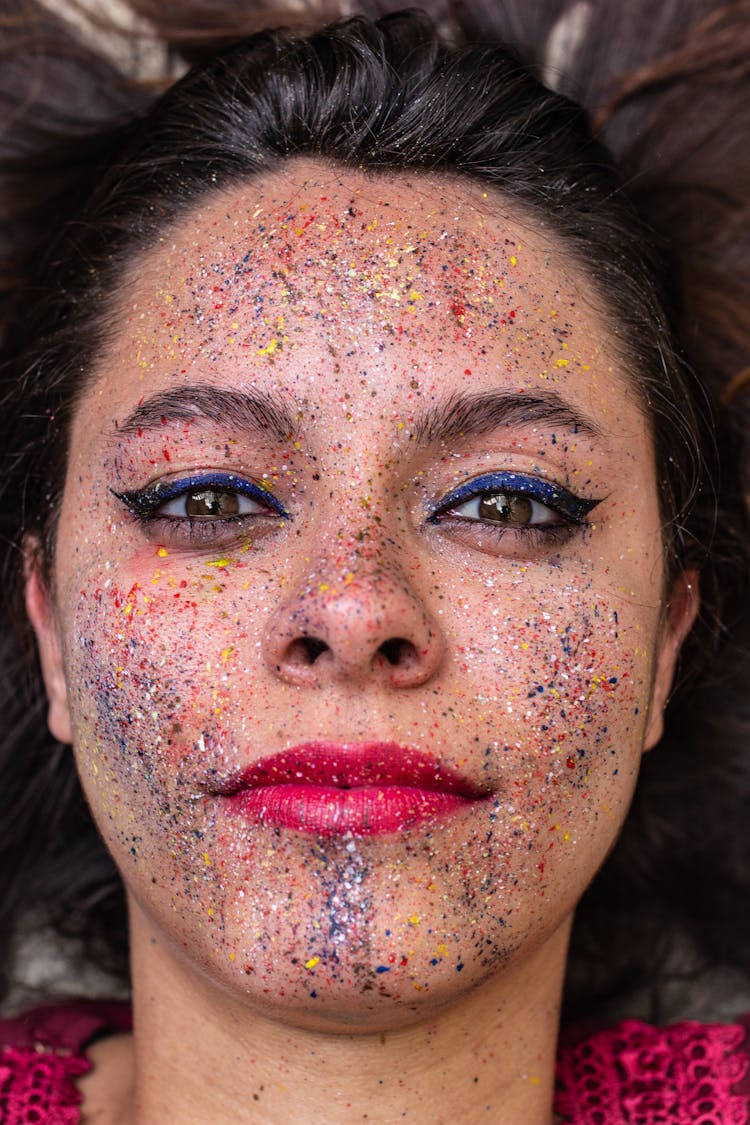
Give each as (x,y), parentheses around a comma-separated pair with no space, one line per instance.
(537,675)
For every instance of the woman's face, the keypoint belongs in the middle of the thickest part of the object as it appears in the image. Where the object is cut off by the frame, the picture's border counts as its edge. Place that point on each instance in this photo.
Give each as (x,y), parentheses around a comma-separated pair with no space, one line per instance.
(357,591)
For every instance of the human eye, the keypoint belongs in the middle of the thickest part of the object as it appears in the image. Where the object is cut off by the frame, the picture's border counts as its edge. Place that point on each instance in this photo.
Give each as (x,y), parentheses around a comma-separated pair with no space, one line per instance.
(205,505)
(526,509)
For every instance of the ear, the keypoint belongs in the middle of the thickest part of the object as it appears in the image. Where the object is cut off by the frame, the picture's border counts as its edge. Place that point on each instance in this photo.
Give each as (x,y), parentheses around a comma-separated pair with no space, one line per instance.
(681,612)
(44,622)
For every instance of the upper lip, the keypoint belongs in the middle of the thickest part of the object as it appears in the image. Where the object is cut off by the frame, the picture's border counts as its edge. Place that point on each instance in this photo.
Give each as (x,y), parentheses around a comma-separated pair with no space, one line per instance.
(349,765)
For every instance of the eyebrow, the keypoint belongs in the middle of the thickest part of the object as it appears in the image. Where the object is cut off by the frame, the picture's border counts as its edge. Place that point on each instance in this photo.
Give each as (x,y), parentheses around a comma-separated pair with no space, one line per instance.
(246,410)
(459,416)
(474,415)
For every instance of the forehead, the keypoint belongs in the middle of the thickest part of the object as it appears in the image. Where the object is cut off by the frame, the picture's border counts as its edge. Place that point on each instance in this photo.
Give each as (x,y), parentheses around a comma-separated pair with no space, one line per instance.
(321,271)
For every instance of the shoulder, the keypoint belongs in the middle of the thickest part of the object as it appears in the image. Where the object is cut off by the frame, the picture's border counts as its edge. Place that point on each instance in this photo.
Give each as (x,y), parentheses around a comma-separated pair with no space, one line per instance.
(684,1073)
(42,1052)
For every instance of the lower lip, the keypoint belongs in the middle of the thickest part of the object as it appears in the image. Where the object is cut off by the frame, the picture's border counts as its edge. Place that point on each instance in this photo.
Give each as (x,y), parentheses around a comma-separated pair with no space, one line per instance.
(327,810)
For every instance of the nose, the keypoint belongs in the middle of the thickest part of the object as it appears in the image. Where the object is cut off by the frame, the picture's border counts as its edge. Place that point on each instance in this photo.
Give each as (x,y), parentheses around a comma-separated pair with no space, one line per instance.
(354,626)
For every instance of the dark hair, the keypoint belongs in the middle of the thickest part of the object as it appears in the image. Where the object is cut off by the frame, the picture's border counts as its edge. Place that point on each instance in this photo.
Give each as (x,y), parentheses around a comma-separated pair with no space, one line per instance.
(385,97)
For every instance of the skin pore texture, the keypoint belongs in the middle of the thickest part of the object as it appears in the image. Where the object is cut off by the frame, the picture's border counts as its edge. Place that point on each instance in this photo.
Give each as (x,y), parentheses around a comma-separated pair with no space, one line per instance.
(268,540)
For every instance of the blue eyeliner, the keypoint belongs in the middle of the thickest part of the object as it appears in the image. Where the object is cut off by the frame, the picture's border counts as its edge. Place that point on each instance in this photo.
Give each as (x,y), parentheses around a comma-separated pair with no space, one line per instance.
(554,496)
(145,502)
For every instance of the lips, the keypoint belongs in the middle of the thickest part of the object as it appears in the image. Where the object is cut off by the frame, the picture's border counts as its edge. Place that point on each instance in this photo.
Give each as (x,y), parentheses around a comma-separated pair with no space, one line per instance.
(362,789)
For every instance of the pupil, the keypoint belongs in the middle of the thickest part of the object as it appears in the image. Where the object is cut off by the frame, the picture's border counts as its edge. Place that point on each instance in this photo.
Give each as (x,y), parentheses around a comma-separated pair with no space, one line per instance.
(208,504)
(504,508)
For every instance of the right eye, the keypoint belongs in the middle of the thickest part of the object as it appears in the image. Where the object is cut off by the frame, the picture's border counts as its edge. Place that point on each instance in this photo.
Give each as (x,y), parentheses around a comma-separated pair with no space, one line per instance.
(208,498)
(211,504)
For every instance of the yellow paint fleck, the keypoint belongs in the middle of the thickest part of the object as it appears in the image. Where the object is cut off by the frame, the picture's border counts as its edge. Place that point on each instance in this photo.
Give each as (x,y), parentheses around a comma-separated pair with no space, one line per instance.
(162,552)
(219,562)
(207,859)
(414,919)
(562,362)
(270,347)
(312,962)
(513,260)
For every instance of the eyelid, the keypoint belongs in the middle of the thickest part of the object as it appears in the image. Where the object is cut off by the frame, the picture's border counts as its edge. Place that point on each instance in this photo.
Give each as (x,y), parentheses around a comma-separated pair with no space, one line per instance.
(571,507)
(145,502)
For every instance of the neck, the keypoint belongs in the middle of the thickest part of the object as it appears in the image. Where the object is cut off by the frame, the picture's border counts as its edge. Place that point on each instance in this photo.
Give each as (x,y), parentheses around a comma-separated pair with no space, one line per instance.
(203,1056)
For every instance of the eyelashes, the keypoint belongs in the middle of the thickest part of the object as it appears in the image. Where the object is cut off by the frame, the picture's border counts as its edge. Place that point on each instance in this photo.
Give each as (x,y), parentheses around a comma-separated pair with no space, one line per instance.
(218,505)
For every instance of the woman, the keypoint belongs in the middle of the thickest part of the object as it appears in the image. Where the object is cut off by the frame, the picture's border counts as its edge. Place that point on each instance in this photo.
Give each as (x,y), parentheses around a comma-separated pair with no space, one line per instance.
(363,501)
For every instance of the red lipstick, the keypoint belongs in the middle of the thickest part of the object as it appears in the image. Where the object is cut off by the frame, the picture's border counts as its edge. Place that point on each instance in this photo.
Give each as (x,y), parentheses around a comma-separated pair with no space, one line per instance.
(366,789)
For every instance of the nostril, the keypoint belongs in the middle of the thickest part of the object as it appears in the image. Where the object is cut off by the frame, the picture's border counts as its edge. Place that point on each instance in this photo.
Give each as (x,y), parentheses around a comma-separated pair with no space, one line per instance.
(305,650)
(398,651)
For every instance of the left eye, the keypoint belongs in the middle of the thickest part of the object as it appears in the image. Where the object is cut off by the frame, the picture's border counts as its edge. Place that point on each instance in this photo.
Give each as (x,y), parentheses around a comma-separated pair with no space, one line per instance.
(508,509)
(211,504)
(510,500)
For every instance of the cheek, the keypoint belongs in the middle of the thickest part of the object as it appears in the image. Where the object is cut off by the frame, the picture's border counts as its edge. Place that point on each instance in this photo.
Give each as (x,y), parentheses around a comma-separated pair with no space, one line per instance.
(152,670)
(553,681)
(158,673)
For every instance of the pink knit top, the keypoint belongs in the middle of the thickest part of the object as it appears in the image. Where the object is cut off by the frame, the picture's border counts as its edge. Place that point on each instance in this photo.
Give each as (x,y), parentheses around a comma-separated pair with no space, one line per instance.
(631,1074)
(637,1074)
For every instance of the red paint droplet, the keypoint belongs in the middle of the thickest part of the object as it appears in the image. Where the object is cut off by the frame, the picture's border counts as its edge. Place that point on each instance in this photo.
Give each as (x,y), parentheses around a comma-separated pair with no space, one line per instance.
(570,764)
